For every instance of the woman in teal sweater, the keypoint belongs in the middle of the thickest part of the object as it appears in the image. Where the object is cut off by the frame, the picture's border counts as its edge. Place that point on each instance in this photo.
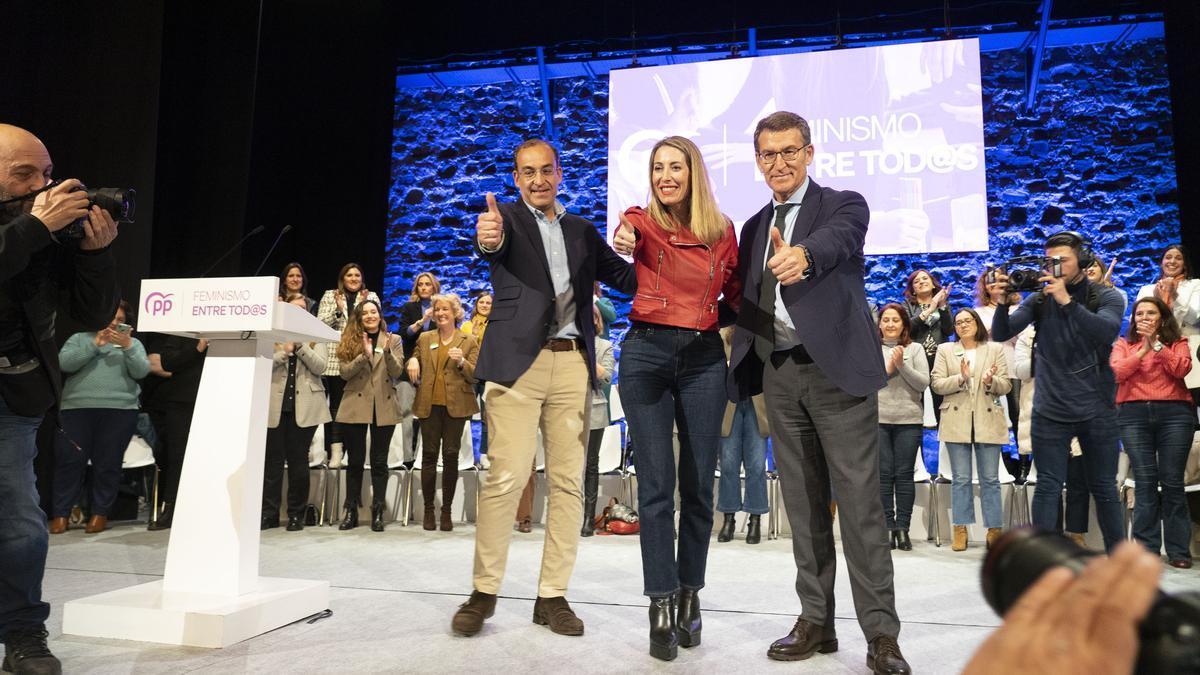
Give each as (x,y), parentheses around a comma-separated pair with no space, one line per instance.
(99,415)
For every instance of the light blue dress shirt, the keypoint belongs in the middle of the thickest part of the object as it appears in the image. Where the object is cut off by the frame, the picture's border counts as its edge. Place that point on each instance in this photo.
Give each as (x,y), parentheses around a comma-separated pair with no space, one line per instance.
(785,330)
(560,271)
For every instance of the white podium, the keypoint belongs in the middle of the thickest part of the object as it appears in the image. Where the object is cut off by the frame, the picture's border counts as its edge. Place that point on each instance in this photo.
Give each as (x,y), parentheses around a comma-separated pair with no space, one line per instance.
(211,594)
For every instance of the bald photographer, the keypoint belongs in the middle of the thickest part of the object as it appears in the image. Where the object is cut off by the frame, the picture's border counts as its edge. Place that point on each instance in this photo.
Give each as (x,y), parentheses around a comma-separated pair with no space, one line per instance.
(54,257)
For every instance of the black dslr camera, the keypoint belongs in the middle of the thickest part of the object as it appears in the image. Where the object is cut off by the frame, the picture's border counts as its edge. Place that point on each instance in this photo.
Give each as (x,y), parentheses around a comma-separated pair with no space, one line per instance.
(1024,271)
(119,202)
(1169,636)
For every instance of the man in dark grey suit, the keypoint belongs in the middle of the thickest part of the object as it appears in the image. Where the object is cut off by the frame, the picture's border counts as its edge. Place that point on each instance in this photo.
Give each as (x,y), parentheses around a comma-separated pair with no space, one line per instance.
(805,339)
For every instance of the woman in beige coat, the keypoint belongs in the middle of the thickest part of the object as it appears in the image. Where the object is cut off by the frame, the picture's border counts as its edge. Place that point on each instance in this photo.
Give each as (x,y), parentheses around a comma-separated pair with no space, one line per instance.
(369,360)
(443,368)
(297,407)
(972,374)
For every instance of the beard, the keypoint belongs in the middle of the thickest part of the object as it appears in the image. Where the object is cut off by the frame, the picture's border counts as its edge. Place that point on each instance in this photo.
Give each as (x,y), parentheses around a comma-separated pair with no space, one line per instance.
(11,210)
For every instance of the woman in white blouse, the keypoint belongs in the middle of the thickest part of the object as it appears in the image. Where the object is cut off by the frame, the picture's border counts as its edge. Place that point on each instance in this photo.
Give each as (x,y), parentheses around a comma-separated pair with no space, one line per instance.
(1181,292)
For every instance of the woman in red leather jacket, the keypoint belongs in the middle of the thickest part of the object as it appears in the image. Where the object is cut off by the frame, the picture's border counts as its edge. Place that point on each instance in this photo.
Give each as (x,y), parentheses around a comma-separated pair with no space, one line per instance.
(672,374)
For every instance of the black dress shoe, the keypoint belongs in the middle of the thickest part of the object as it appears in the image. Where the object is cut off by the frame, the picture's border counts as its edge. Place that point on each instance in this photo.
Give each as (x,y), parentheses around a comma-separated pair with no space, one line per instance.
(26,653)
(806,639)
(726,533)
(269,522)
(754,529)
(687,622)
(884,657)
(295,523)
(377,517)
(664,641)
(349,519)
(904,543)
(894,536)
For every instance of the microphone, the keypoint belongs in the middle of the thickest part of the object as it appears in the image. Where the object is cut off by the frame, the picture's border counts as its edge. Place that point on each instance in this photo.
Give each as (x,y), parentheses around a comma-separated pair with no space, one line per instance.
(285,230)
(233,248)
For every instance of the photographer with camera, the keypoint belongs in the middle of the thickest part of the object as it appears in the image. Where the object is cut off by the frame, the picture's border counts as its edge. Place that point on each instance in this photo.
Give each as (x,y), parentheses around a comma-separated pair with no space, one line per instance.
(1075,396)
(34,276)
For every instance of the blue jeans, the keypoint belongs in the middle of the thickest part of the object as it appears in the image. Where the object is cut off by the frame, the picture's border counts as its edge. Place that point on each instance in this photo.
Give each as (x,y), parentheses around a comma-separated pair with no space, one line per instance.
(743,447)
(1078,499)
(674,378)
(1157,437)
(23,534)
(898,446)
(1051,441)
(102,435)
(962,492)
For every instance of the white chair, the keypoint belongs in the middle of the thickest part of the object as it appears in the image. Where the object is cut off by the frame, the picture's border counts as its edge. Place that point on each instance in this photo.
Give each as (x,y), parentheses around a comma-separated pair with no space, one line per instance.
(317,461)
(615,411)
(401,441)
(922,477)
(139,455)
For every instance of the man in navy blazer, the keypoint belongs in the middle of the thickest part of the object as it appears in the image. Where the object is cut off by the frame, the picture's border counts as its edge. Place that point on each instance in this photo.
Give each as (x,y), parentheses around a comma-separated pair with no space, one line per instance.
(806,340)
(538,360)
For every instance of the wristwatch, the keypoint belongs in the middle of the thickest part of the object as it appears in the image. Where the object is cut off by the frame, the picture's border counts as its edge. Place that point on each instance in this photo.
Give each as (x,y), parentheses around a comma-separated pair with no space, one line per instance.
(808,270)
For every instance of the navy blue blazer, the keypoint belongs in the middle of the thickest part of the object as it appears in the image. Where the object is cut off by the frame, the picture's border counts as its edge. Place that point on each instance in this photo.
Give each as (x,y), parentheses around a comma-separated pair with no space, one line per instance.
(523,293)
(829,309)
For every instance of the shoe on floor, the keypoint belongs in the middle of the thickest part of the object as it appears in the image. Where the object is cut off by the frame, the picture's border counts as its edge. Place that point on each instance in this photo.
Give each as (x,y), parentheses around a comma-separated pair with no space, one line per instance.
(26,653)
(96,525)
(557,614)
(884,657)
(58,525)
(469,618)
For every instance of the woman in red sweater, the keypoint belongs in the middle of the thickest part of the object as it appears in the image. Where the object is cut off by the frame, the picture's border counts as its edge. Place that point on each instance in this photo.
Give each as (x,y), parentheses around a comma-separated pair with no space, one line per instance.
(673,378)
(1157,419)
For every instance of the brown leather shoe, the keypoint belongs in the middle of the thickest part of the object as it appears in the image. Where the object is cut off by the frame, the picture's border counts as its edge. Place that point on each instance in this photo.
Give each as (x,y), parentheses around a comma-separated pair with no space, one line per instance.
(558,615)
(58,525)
(806,639)
(525,526)
(430,519)
(960,538)
(469,618)
(96,525)
(447,522)
(884,657)
(993,534)
(1181,563)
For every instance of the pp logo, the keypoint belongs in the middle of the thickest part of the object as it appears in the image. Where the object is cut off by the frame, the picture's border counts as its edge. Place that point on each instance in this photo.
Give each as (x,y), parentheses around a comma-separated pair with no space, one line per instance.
(159,304)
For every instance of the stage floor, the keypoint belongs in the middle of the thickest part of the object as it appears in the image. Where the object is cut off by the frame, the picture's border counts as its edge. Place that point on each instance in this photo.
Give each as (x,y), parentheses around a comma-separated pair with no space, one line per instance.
(393,594)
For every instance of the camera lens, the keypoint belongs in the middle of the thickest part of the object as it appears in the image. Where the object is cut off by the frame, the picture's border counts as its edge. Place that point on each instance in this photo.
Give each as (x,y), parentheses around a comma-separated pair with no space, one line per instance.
(1018,558)
(119,202)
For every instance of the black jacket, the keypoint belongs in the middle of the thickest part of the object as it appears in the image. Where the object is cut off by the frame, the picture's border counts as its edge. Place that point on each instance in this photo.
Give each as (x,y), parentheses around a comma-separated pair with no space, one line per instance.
(523,306)
(44,278)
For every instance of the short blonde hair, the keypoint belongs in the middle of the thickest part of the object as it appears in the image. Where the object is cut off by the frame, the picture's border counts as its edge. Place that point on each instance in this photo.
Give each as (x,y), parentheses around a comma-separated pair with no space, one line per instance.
(451,299)
(707,221)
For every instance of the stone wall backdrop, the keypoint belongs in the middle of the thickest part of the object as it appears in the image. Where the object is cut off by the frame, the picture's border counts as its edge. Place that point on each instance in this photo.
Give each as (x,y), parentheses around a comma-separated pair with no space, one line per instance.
(1095,156)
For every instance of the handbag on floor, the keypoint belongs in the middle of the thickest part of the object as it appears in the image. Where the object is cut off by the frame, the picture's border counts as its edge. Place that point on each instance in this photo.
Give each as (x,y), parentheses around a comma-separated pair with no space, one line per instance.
(619,518)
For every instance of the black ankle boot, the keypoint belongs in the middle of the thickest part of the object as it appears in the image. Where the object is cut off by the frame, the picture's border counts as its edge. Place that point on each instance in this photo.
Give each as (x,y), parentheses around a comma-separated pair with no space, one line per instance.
(894,535)
(687,623)
(664,643)
(904,543)
(377,517)
(591,484)
(754,529)
(726,533)
(349,518)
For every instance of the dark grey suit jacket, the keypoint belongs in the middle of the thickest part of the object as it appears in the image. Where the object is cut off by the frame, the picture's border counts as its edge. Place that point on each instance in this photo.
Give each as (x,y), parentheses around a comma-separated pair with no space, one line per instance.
(829,309)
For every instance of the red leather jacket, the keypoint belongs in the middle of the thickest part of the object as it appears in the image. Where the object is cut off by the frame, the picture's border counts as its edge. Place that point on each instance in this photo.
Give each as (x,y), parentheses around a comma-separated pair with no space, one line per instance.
(681,280)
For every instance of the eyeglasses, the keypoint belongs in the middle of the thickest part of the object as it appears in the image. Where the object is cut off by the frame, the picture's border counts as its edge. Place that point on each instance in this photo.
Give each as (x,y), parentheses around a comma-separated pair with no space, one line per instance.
(788,154)
(964,322)
(528,173)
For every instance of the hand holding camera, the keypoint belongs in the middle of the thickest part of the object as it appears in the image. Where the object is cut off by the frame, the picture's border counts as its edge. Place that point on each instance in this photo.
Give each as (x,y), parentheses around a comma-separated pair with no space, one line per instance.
(61,205)
(1055,287)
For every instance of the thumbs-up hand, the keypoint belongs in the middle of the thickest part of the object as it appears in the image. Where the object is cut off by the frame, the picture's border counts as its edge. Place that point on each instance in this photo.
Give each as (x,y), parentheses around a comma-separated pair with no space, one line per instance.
(789,263)
(489,227)
(625,238)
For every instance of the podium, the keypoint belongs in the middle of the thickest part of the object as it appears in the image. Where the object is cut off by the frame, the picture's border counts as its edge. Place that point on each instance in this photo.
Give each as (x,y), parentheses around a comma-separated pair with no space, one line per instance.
(211,594)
